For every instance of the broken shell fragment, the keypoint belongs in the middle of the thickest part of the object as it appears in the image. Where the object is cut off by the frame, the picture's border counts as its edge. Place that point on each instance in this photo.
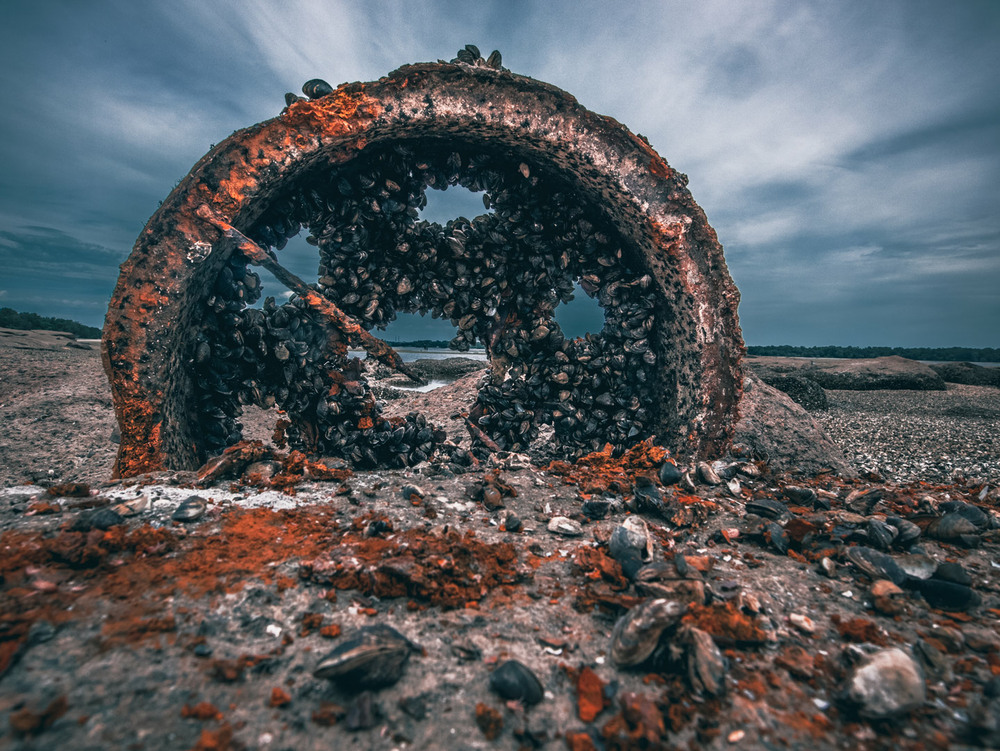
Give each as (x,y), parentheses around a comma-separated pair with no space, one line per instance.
(637,633)
(373,658)
(515,681)
(707,475)
(562,525)
(191,509)
(631,538)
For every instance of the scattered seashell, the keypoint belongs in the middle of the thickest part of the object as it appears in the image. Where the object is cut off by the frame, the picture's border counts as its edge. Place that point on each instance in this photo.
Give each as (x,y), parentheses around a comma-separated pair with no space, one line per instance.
(951,528)
(769,508)
(946,595)
(706,665)
(880,534)
(953,572)
(800,496)
(916,565)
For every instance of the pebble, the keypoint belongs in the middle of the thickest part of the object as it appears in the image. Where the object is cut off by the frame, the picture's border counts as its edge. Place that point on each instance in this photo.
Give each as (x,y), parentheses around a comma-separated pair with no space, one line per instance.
(802,622)
(191,509)
(562,525)
(515,681)
(887,597)
(888,683)
(408,491)
(101,518)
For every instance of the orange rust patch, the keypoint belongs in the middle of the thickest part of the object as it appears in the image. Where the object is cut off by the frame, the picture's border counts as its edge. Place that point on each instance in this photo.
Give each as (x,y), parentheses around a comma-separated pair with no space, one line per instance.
(589,695)
(726,624)
(600,471)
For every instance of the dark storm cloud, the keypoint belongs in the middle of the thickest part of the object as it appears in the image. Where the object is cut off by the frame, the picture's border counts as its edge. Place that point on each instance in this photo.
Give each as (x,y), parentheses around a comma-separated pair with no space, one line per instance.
(846,153)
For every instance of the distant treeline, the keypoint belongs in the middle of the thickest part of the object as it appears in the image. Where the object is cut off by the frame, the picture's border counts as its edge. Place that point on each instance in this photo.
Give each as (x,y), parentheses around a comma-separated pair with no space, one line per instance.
(945,354)
(11,319)
(423,344)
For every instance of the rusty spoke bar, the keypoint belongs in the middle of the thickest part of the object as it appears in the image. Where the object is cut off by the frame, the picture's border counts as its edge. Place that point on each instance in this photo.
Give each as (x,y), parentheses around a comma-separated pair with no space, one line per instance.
(331,314)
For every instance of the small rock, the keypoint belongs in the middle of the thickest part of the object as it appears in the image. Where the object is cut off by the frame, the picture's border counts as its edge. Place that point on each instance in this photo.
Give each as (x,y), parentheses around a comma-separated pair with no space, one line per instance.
(828,567)
(631,538)
(888,683)
(515,681)
(511,522)
(562,525)
(101,518)
(981,638)
(409,491)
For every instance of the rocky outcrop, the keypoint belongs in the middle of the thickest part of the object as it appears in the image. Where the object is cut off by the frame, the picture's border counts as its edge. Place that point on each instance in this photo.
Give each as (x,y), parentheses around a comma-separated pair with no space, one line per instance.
(967,374)
(775,428)
(854,375)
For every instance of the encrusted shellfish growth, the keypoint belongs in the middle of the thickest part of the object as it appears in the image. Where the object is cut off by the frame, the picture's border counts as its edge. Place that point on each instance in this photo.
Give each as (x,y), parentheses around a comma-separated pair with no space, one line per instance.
(572,201)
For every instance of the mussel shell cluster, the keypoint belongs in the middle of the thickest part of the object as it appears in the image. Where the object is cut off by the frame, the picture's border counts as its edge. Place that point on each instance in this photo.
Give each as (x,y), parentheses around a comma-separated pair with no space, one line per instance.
(497,277)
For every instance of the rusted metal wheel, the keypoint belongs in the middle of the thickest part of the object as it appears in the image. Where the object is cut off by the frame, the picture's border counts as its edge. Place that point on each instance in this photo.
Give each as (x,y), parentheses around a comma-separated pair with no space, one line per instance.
(173,287)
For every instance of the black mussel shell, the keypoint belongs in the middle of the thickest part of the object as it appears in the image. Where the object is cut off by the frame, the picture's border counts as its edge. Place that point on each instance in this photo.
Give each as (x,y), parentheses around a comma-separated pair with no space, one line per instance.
(947,595)
(373,658)
(315,88)
(769,508)
(973,513)
(670,474)
(190,509)
(514,681)
(953,572)
(877,565)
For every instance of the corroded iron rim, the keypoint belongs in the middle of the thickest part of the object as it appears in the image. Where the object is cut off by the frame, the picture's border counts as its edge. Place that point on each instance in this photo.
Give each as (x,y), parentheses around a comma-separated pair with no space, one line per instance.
(173,262)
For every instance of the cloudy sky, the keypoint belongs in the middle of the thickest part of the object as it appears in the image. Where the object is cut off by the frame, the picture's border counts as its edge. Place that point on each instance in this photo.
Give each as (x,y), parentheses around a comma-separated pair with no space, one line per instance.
(847,153)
